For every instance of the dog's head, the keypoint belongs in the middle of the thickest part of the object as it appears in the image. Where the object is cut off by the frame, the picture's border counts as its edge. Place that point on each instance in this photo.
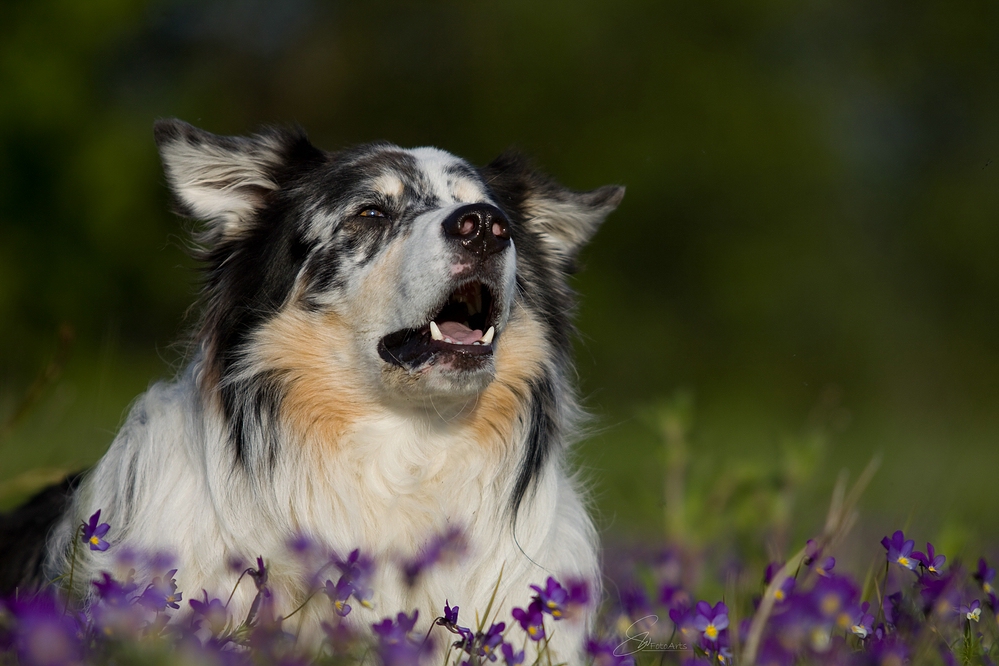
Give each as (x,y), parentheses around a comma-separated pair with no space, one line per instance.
(399,275)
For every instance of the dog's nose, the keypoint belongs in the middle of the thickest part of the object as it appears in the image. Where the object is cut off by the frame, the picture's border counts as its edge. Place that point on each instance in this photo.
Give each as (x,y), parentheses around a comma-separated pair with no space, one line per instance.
(481,229)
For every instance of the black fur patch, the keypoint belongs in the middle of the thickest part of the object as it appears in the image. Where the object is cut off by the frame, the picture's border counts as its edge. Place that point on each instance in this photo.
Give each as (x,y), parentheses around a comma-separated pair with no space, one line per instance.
(544,430)
(544,291)
(23,533)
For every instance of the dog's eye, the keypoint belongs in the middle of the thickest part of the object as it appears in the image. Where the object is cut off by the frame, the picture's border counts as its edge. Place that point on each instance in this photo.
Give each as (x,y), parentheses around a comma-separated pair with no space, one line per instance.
(372,212)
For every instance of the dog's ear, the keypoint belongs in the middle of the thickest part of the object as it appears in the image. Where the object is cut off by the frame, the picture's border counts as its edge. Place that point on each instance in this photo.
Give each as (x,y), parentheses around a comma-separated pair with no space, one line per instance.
(225,180)
(565,219)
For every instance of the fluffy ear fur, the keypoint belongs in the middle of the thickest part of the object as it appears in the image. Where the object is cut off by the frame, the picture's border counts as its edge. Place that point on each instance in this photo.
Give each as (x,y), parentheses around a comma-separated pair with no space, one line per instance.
(222,179)
(565,219)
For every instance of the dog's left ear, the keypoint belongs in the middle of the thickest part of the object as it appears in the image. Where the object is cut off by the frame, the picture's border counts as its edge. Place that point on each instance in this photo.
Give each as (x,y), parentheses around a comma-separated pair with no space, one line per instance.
(565,219)
(225,180)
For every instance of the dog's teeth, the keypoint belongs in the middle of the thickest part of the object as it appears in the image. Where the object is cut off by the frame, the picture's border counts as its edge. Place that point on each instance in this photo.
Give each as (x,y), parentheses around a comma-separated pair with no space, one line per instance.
(435,331)
(487,339)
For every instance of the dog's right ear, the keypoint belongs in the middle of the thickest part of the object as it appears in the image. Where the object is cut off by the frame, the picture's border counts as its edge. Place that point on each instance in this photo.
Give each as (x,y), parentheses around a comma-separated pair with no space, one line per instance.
(221,179)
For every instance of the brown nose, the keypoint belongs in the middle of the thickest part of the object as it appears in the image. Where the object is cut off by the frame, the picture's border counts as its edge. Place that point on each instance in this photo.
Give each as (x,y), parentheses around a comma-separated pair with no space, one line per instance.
(482,229)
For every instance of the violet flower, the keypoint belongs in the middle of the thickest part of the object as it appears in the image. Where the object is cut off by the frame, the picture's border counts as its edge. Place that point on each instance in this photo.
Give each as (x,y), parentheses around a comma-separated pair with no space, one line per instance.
(94,531)
(900,550)
(531,620)
(390,631)
(161,593)
(447,547)
(212,610)
(510,657)
(43,633)
(711,622)
(972,611)
(114,593)
(450,622)
(932,562)
(339,594)
(357,569)
(825,567)
(605,653)
(833,598)
(489,641)
(863,622)
(552,599)
(985,575)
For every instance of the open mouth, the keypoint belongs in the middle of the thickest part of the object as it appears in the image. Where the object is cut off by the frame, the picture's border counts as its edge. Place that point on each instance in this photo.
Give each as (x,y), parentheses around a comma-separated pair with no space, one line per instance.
(463,328)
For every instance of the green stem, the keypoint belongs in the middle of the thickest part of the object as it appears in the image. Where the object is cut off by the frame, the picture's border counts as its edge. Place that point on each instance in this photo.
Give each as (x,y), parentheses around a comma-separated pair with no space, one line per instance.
(72,566)
(881,597)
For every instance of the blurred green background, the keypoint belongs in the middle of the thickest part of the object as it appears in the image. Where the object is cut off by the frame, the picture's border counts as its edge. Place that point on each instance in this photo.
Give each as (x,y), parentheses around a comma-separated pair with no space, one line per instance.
(808,247)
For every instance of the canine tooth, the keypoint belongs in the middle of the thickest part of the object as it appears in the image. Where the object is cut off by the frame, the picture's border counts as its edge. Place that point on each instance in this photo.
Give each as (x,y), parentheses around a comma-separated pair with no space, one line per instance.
(487,339)
(435,331)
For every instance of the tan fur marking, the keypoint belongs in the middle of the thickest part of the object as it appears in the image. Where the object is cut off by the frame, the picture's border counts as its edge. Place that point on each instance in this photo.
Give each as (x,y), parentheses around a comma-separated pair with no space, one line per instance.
(467,191)
(389,185)
(520,354)
(312,353)
(380,285)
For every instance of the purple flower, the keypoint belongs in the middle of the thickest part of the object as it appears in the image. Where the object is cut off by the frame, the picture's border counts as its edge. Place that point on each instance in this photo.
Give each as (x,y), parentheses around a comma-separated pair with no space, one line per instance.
(773,653)
(301,545)
(447,547)
(782,593)
(113,593)
(94,531)
(339,594)
(552,599)
(397,631)
(900,550)
(972,611)
(605,653)
(825,567)
(579,592)
(985,575)
(161,593)
(939,593)
(634,600)
(834,599)
(259,575)
(489,641)
(356,569)
(43,634)
(212,610)
(932,562)
(683,619)
(404,653)
(531,620)
(863,622)
(510,657)
(450,614)
(711,621)
(812,551)
(394,644)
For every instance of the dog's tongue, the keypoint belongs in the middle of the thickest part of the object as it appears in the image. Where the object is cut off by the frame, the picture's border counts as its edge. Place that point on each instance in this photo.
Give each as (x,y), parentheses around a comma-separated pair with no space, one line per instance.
(459,332)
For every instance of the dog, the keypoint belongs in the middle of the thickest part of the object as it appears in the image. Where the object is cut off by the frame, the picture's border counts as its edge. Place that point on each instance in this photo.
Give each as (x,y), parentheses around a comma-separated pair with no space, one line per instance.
(383,353)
